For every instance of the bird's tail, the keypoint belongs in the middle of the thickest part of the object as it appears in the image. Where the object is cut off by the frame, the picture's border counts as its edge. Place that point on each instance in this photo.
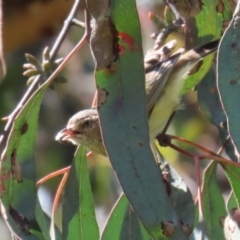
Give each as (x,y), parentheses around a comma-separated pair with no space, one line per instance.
(202,51)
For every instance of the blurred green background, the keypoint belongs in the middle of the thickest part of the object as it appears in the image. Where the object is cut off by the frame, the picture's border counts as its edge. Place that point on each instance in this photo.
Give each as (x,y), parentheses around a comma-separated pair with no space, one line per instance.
(29,26)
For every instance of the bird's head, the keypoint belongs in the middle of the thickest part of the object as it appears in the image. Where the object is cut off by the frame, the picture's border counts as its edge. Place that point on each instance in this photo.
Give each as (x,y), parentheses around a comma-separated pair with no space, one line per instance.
(83,128)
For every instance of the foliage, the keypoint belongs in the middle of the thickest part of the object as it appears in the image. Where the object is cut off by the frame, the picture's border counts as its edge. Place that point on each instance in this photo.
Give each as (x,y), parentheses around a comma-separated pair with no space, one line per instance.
(156,203)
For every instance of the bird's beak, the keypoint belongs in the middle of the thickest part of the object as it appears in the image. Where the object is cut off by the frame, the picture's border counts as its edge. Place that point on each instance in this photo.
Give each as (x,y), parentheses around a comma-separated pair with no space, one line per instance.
(64,135)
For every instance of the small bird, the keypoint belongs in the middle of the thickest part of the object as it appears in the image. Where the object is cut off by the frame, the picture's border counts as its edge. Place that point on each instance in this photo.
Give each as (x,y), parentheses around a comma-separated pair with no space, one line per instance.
(165,76)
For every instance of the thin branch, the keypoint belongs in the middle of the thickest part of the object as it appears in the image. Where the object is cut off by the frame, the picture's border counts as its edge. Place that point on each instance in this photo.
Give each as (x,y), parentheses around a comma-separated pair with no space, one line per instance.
(78,23)
(192,144)
(59,191)
(66,170)
(178,149)
(53,174)
(211,155)
(66,60)
(35,83)
(177,24)
(179,18)
(66,26)
(87,24)
(168,123)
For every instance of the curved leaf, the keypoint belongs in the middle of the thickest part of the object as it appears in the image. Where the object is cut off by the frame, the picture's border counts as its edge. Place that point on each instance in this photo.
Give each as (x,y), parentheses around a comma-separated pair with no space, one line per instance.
(228,76)
(124,224)
(123,117)
(79,220)
(206,26)
(209,101)
(44,223)
(233,175)
(213,203)
(179,194)
(18,172)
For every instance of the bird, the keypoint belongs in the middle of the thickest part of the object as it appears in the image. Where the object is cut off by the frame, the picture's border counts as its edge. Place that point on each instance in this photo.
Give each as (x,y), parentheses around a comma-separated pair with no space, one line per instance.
(165,75)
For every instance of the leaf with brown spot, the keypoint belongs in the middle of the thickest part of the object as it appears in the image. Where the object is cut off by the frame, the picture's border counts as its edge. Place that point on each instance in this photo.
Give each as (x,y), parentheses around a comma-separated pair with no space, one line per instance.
(228,76)
(124,108)
(102,95)
(213,204)
(103,43)
(24,128)
(20,220)
(18,170)
(168,228)
(130,227)
(206,26)
(15,168)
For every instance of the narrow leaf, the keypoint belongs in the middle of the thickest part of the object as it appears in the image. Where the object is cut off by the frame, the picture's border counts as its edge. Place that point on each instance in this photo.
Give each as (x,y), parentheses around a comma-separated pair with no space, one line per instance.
(79,220)
(206,26)
(123,117)
(233,175)
(213,203)
(124,224)
(210,104)
(18,172)
(228,76)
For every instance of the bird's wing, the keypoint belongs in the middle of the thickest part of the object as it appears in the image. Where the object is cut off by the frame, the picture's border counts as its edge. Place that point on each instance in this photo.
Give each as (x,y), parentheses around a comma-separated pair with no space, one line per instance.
(157,55)
(157,79)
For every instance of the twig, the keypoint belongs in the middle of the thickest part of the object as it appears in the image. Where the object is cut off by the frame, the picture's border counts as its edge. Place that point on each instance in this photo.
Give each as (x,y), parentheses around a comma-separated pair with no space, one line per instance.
(87,24)
(168,123)
(34,85)
(78,23)
(177,24)
(53,174)
(67,24)
(66,170)
(211,155)
(192,144)
(59,191)
(164,34)
(179,19)
(178,149)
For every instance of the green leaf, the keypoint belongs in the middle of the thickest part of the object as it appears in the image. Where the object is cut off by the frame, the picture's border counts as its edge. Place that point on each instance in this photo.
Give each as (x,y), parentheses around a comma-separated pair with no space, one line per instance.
(44,223)
(206,26)
(19,202)
(79,220)
(213,203)
(124,224)
(18,172)
(210,104)
(178,192)
(124,125)
(228,76)
(231,202)
(209,100)
(227,11)
(233,175)
(181,199)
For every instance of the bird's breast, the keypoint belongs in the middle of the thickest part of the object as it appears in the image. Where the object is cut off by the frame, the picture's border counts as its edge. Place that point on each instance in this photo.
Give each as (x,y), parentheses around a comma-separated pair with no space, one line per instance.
(167,103)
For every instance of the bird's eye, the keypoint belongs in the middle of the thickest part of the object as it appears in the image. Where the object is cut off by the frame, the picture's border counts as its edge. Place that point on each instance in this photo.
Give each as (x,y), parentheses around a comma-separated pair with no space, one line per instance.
(87,124)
